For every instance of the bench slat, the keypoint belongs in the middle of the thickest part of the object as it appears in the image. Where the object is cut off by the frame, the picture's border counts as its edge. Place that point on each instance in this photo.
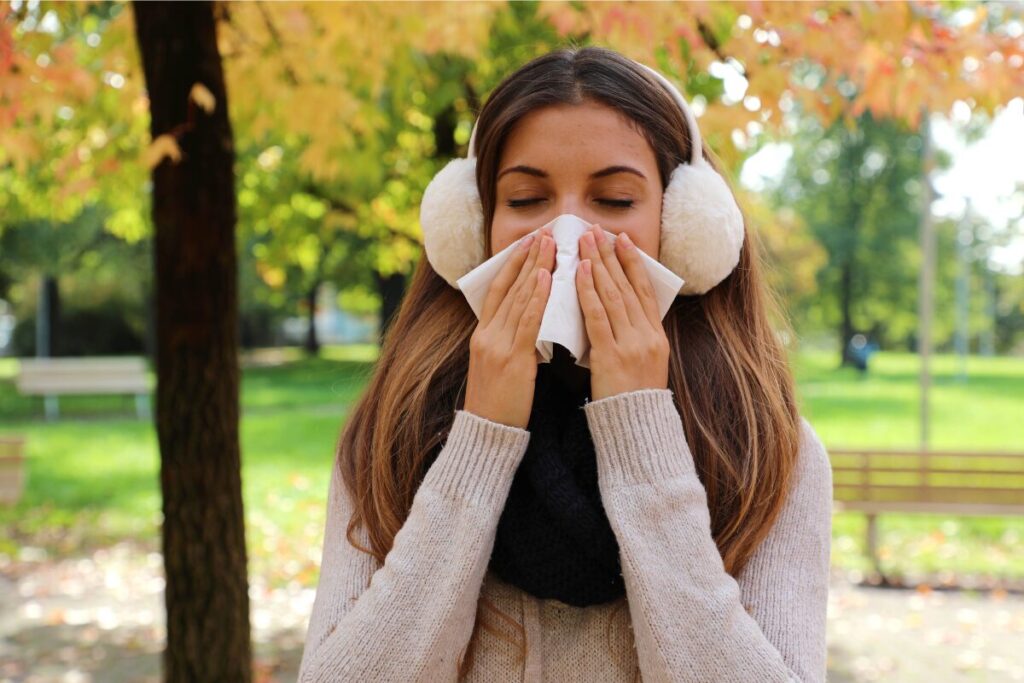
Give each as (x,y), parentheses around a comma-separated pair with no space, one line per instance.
(88,375)
(80,385)
(929,471)
(871,453)
(896,487)
(32,365)
(936,508)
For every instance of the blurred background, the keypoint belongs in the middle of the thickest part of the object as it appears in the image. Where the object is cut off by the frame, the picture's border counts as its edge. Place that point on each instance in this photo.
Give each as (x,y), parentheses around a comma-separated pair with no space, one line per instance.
(875,147)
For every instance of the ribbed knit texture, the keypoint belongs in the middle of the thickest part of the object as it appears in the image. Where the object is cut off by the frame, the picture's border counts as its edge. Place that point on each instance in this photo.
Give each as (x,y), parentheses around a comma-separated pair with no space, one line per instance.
(553,539)
(688,620)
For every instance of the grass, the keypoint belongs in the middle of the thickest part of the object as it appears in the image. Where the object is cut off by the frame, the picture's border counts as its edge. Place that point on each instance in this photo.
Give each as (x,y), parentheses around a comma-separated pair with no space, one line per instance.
(882,408)
(93,475)
(94,479)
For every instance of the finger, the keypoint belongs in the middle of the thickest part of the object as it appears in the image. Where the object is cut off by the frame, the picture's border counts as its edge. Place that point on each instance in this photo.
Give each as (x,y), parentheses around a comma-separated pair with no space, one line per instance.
(506,278)
(606,288)
(511,308)
(610,260)
(599,328)
(632,264)
(533,313)
(521,277)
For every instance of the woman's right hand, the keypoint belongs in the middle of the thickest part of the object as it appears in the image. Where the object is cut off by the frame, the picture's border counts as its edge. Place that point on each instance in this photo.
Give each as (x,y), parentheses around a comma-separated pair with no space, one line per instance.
(502,350)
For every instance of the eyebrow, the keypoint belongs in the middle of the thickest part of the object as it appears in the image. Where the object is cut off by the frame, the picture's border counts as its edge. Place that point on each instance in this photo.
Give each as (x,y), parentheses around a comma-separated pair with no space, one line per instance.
(530,170)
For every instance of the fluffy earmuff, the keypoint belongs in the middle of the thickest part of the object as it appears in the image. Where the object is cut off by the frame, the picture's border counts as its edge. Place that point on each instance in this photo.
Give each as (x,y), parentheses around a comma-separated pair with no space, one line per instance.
(701,227)
(452,219)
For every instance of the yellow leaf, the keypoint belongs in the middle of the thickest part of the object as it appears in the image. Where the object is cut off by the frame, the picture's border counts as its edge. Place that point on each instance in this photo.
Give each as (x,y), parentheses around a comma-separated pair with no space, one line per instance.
(203,97)
(273,276)
(163,146)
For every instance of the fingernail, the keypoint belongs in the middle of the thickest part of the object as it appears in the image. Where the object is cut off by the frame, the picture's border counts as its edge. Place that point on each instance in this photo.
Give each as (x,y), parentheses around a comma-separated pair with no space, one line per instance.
(628,243)
(525,244)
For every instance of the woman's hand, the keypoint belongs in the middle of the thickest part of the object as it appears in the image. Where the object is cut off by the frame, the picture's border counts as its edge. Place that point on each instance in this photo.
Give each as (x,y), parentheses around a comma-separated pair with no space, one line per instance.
(628,346)
(503,349)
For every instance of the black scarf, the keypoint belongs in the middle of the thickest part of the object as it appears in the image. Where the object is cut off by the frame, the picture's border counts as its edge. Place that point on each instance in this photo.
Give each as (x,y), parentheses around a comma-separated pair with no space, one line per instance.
(553,538)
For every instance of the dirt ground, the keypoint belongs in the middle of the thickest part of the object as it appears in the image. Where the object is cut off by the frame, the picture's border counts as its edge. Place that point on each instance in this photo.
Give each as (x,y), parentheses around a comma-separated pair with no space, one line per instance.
(100,618)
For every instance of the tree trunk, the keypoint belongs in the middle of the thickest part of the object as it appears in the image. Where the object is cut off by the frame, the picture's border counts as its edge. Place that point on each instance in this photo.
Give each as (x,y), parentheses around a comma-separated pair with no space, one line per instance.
(312,345)
(845,308)
(391,289)
(48,337)
(207,599)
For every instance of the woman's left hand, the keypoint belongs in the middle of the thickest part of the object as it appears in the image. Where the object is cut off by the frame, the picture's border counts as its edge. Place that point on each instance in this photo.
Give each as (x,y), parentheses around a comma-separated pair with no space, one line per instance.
(629,349)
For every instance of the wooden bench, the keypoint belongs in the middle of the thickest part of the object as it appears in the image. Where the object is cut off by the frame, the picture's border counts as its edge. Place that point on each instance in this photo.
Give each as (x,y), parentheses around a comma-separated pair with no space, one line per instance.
(12,469)
(942,482)
(53,377)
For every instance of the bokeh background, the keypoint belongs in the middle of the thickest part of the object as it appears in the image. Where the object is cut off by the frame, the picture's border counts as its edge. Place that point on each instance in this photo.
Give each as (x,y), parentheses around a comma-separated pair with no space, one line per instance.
(875,147)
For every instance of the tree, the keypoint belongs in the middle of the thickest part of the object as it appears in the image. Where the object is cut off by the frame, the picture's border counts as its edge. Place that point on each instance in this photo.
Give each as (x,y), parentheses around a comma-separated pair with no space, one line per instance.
(857,190)
(835,60)
(194,214)
(362,144)
(51,250)
(69,141)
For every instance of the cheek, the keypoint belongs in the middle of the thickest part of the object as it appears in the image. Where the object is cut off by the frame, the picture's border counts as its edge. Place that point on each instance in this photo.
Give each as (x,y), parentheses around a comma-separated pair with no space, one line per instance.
(506,228)
(645,230)
(503,232)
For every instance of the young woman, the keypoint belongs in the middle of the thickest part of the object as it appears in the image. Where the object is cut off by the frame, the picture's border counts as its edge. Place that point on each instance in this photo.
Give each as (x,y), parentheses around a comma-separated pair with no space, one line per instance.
(664,514)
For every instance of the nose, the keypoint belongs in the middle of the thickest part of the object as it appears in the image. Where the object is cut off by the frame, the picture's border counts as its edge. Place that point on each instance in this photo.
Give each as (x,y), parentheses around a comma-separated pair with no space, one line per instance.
(574,204)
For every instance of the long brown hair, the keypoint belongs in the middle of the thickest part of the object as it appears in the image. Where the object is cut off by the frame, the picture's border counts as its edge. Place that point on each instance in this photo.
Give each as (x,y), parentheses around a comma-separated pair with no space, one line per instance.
(728,369)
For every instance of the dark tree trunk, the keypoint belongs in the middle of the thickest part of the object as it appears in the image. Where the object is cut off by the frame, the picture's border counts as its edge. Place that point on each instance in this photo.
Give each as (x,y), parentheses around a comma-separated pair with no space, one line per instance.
(391,289)
(846,312)
(150,338)
(49,341)
(312,345)
(207,599)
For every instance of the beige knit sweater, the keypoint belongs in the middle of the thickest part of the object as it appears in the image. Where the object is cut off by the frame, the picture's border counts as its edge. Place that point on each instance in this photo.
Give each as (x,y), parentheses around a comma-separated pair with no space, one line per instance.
(688,620)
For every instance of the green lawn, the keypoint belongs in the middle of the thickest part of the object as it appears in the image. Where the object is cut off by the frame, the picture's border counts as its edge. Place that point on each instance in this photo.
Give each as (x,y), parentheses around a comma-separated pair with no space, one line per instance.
(93,476)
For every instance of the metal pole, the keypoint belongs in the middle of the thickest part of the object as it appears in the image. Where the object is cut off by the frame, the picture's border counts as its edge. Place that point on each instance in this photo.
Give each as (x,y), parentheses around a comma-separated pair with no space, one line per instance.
(988,337)
(927,276)
(963,238)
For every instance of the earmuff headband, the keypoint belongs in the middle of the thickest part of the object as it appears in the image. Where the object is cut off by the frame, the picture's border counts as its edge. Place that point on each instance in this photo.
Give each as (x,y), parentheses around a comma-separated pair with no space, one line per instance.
(696,153)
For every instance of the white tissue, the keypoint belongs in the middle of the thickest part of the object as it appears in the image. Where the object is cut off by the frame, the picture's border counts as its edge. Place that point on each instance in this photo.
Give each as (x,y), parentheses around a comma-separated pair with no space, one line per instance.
(563,321)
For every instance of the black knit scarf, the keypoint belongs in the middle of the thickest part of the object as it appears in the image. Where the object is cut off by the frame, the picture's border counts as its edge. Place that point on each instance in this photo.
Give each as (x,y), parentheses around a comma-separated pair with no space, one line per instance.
(553,538)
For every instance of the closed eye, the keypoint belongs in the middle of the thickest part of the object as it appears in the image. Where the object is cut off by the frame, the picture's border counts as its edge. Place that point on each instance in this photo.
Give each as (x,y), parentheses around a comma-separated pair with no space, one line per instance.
(614,203)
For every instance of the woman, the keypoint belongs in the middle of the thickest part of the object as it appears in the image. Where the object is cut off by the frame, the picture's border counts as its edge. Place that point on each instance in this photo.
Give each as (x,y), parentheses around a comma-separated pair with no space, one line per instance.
(665,514)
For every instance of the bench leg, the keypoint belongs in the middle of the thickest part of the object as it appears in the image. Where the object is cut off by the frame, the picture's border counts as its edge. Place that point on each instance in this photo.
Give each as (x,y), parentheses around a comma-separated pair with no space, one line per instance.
(52,409)
(142,406)
(872,543)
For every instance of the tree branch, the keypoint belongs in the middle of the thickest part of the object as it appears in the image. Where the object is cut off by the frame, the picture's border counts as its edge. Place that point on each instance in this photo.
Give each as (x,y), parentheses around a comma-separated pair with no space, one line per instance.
(708,36)
(289,72)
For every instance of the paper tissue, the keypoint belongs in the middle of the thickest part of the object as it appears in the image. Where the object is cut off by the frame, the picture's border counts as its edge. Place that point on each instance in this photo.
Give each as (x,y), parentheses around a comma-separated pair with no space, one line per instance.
(563,321)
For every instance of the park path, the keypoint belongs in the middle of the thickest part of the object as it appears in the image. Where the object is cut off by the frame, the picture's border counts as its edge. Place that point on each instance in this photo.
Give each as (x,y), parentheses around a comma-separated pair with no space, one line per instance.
(100,619)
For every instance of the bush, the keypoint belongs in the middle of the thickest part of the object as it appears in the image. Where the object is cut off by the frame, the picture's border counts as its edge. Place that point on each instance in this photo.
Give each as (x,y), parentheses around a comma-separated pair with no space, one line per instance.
(99,331)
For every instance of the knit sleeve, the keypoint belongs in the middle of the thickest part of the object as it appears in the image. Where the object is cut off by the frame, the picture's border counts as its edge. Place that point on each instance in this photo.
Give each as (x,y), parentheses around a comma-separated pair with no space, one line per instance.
(691,619)
(410,618)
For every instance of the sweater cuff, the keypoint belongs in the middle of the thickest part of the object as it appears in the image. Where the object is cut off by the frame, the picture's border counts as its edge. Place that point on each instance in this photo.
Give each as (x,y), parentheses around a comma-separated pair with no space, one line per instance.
(478,460)
(638,437)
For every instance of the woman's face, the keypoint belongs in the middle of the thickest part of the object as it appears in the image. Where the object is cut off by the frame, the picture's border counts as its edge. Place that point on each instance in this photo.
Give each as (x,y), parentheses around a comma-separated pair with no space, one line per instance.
(562,159)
